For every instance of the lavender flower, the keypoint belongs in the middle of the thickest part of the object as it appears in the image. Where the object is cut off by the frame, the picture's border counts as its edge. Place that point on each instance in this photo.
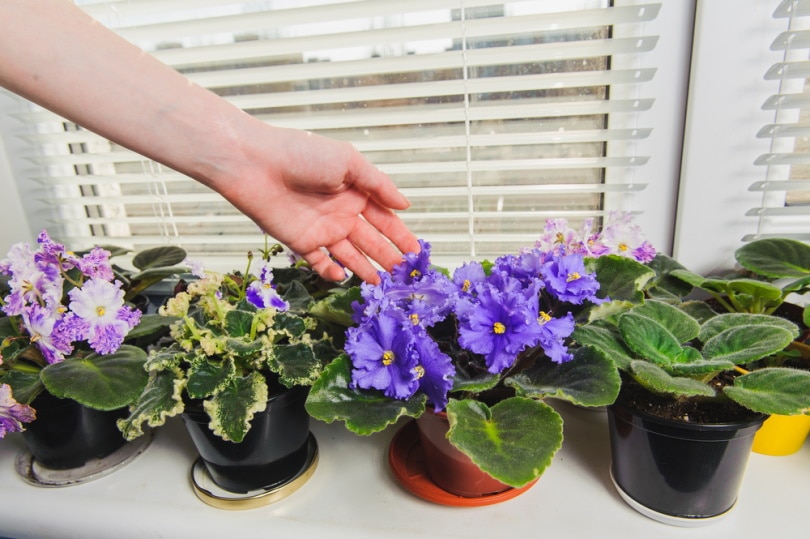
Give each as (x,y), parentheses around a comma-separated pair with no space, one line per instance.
(500,326)
(96,264)
(262,293)
(12,413)
(98,314)
(435,370)
(568,279)
(414,266)
(49,332)
(384,356)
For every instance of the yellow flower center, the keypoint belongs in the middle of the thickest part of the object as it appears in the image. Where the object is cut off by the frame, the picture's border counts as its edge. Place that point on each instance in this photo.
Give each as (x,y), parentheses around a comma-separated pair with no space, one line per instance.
(388,357)
(414,319)
(573,276)
(623,247)
(498,328)
(100,311)
(544,317)
(415,273)
(419,371)
(466,286)
(266,286)
(560,237)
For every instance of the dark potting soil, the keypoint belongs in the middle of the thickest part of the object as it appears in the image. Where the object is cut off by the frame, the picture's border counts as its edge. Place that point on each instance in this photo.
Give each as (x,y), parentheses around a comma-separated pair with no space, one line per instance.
(692,409)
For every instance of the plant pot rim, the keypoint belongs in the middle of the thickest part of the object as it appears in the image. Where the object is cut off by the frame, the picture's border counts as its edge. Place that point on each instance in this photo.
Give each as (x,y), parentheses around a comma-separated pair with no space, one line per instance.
(755,418)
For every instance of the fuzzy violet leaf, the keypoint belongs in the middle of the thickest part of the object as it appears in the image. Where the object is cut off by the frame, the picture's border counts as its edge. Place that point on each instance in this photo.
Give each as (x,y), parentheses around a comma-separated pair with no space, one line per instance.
(331,398)
(773,391)
(514,441)
(775,257)
(590,379)
(232,409)
(102,382)
(161,399)
(657,380)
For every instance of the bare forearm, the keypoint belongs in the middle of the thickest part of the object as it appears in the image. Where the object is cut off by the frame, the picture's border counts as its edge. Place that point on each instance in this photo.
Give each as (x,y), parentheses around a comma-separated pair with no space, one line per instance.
(57,56)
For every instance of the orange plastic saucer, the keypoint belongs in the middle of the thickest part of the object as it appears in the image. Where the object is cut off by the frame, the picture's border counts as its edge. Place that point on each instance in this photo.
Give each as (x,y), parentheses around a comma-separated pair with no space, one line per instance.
(407,462)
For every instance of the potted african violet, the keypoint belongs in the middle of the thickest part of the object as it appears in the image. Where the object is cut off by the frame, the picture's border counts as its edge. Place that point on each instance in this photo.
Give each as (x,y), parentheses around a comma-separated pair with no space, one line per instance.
(772,272)
(473,356)
(242,351)
(70,363)
(696,386)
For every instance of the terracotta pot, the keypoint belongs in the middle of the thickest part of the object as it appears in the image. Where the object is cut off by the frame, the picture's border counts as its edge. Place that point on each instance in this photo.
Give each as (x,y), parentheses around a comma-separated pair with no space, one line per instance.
(449,468)
(66,434)
(274,450)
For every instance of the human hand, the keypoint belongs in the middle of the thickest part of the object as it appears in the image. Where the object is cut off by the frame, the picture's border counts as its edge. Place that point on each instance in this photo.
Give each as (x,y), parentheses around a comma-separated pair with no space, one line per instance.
(321,197)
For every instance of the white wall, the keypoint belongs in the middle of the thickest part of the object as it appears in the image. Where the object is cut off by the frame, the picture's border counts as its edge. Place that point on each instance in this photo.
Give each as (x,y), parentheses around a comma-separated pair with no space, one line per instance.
(726,92)
(14,226)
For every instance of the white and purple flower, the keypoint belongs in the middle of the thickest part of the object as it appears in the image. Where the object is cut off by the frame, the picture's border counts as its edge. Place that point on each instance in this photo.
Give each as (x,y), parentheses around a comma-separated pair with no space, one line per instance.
(12,413)
(99,316)
(262,292)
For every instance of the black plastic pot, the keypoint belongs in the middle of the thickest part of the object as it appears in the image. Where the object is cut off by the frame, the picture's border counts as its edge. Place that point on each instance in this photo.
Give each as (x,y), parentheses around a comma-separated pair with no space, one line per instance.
(273,451)
(676,468)
(66,434)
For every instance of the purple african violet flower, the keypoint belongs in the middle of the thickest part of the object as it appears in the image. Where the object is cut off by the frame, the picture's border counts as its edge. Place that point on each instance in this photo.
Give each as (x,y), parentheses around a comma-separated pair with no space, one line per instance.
(622,237)
(31,282)
(414,266)
(49,331)
(384,356)
(500,326)
(567,278)
(98,314)
(196,267)
(553,332)
(262,293)
(468,275)
(12,413)
(435,370)
(96,264)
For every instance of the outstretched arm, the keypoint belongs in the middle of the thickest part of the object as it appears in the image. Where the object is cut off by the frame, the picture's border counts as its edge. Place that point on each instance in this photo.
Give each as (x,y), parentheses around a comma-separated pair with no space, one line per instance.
(307,191)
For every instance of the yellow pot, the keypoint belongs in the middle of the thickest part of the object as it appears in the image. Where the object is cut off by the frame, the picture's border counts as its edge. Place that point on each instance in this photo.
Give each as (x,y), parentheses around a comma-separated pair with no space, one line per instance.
(782,435)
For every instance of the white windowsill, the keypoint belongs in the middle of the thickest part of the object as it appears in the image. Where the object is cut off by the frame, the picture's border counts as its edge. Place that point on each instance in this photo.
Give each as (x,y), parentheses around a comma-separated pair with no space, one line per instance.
(352,494)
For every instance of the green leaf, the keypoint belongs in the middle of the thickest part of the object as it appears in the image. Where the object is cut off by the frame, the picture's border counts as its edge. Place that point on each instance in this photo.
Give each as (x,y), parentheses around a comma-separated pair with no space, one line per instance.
(772,391)
(161,399)
(477,383)
(206,377)
(620,278)
(680,324)
(514,441)
(25,386)
(149,324)
(364,411)
(296,295)
(590,379)
(741,345)
(699,367)
(657,380)
(243,348)
(102,382)
(232,409)
(648,339)
(296,363)
(665,285)
(725,321)
(775,257)
(238,322)
(159,257)
(292,326)
(699,310)
(605,337)
(337,307)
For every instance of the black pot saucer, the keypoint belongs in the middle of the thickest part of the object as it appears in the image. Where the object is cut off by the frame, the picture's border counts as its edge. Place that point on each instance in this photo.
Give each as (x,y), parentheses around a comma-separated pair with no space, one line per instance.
(34,473)
(215,496)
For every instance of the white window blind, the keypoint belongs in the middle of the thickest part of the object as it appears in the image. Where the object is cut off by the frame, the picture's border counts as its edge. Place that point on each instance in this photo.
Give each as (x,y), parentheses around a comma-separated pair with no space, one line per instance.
(785,206)
(489,116)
